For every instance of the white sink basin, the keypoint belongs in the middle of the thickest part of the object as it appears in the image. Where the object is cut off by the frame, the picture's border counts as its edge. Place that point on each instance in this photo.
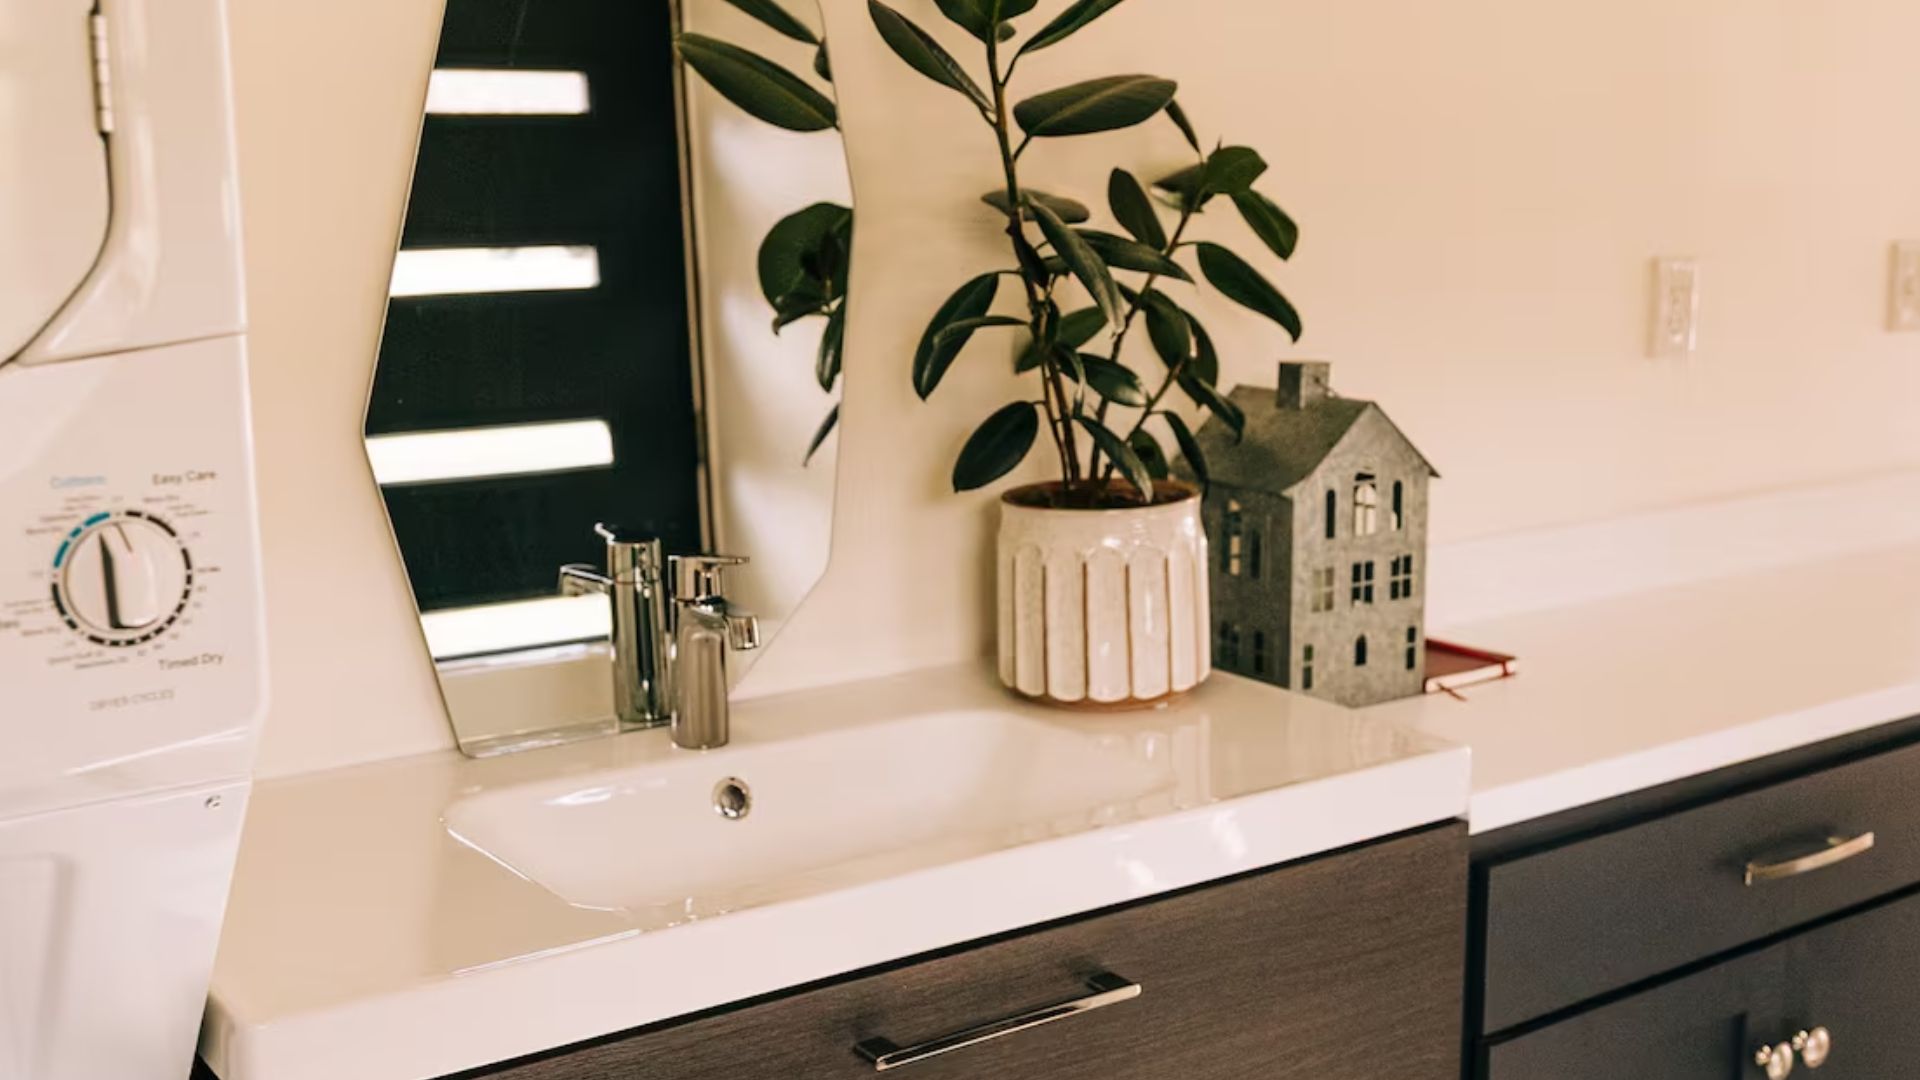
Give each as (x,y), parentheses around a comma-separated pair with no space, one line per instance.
(823,811)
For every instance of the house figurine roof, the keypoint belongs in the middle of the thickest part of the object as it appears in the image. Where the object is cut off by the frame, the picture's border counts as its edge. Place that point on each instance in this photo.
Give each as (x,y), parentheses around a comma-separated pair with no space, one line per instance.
(1289,431)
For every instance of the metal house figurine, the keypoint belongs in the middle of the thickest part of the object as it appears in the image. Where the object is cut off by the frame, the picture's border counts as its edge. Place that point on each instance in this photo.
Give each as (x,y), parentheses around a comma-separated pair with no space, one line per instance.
(1318,525)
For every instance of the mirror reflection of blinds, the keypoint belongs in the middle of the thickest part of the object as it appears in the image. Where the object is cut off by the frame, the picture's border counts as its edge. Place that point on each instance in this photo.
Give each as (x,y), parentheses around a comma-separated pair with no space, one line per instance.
(423,457)
(536,372)
(456,271)
(506,92)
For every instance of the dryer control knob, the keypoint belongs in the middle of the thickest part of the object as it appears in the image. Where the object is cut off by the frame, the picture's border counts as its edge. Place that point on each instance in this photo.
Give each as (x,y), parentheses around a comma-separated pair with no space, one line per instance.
(124,579)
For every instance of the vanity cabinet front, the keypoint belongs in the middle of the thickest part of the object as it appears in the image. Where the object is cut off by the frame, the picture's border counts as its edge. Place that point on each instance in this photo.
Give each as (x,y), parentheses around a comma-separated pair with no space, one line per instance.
(1343,967)
(1762,922)
(1840,1002)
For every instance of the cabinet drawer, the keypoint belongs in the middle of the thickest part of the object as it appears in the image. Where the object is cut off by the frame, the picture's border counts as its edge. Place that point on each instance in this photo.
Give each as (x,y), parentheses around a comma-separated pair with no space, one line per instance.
(1346,967)
(1854,979)
(1599,914)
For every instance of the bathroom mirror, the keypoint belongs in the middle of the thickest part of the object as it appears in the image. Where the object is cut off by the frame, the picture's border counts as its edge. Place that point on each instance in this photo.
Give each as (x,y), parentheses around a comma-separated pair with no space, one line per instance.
(617,297)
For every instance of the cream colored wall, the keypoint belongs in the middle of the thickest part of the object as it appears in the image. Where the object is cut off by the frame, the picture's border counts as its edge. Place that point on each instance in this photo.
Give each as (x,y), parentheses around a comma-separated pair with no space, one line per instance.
(1481,187)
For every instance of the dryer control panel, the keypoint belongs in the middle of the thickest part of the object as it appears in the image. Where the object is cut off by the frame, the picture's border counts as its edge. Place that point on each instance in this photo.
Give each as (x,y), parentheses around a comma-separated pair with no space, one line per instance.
(130,620)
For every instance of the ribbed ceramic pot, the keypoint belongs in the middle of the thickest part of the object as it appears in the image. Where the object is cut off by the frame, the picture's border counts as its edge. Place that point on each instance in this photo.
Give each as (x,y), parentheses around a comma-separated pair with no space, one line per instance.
(1103,608)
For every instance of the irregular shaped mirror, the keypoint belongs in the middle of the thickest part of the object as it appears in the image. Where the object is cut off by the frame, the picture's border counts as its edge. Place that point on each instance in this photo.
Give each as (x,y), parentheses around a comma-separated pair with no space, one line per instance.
(617,299)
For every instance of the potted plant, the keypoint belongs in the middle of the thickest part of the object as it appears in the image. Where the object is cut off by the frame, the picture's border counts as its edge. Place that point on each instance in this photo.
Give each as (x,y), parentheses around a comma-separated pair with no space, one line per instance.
(1103,572)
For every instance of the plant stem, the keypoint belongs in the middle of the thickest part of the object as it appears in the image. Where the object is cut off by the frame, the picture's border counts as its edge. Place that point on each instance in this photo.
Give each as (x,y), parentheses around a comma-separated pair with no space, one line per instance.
(1120,340)
(1055,391)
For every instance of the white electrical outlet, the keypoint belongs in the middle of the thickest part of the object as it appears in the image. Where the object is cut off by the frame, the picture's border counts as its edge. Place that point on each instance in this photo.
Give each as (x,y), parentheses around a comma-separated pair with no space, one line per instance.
(1676,308)
(1903,308)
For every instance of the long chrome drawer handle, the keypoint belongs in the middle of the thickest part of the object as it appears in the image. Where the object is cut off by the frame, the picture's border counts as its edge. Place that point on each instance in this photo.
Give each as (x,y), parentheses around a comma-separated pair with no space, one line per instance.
(1838,850)
(1106,989)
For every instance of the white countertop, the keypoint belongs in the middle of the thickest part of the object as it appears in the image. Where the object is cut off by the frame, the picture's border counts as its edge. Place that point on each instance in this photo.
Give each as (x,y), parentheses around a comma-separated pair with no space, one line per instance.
(364,940)
(1632,691)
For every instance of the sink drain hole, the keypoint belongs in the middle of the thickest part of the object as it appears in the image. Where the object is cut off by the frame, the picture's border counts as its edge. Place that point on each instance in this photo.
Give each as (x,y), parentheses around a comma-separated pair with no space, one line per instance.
(732,799)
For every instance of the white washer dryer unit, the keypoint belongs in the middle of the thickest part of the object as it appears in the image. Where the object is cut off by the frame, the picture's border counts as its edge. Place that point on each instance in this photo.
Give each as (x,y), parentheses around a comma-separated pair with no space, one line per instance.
(131,655)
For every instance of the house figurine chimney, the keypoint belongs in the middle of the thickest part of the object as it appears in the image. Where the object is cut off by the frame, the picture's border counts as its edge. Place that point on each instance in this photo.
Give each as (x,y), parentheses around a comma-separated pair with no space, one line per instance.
(1303,383)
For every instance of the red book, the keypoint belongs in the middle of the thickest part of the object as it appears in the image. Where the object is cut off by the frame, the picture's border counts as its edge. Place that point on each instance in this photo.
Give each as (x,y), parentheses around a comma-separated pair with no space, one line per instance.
(1451,666)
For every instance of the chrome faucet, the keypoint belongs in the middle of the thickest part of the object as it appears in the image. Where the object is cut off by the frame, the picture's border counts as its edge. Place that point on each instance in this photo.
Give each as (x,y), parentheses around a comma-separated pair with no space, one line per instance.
(669,644)
(635,585)
(705,627)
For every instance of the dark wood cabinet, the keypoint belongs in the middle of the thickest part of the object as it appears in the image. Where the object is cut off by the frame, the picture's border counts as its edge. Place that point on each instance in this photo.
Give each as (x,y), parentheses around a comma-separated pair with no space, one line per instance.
(1641,944)
(1859,978)
(1343,967)
(1700,1027)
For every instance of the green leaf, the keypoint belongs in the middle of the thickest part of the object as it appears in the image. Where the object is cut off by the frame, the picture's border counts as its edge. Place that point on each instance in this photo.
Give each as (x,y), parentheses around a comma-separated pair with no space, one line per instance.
(797,240)
(826,364)
(1170,329)
(820,435)
(1116,101)
(1232,169)
(1076,328)
(1147,449)
(1205,364)
(964,328)
(982,18)
(777,17)
(1189,448)
(996,446)
(822,66)
(1205,395)
(1031,264)
(1071,212)
(1113,381)
(798,304)
(757,85)
(1243,285)
(1133,210)
(1122,455)
(1068,23)
(935,354)
(922,53)
(1074,363)
(1268,222)
(1187,187)
(1081,260)
(1179,117)
(1121,253)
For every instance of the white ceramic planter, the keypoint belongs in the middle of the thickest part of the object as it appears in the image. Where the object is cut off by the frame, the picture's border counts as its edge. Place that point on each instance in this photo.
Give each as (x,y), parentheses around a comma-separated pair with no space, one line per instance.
(1103,607)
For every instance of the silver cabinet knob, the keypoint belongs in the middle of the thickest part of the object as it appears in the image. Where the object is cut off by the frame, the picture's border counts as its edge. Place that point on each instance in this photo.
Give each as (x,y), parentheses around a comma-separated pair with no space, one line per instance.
(1777,1060)
(1814,1046)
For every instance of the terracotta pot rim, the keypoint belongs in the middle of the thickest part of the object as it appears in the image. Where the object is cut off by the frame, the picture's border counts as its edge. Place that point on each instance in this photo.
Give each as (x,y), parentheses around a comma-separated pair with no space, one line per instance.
(1018,498)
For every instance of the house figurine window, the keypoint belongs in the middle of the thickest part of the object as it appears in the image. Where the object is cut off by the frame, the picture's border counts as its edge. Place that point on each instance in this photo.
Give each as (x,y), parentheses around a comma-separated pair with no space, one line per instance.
(1360,651)
(1323,586)
(1399,506)
(1400,580)
(1227,648)
(1333,513)
(1362,591)
(1366,505)
(1233,551)
(1306,668)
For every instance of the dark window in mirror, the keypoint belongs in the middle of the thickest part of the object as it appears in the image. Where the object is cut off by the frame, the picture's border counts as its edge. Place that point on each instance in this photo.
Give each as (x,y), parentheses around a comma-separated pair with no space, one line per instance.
(577,316)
